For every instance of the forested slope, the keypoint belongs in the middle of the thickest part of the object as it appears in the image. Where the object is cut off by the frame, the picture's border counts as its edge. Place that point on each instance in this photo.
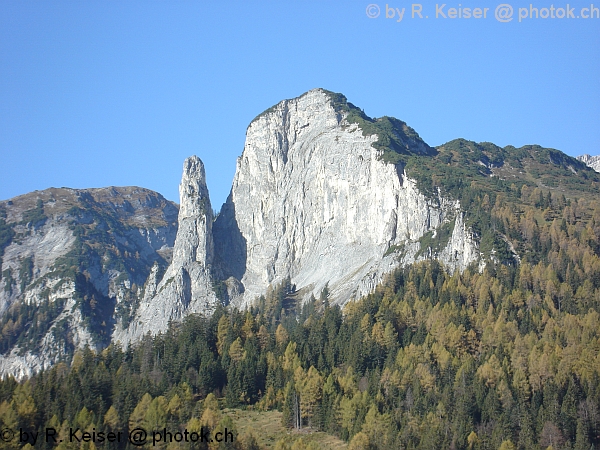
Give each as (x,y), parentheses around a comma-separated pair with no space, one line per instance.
(506,358)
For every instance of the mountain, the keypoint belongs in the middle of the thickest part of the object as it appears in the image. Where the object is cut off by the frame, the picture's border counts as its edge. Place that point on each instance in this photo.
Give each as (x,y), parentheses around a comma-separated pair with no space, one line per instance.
(503,358)
(591,161)
(313,202)
(326,198)
(73,267)
(186,286)
(325,203)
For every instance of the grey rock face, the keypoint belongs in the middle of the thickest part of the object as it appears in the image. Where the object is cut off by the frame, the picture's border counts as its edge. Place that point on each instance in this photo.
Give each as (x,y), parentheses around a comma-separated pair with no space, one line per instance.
(73,267)
(591,161)
(312,200)
(186,286)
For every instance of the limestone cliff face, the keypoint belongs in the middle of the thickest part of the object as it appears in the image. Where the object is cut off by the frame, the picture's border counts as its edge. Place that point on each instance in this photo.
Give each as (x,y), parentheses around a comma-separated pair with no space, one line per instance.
(312,200)
(591,161)
(186,286)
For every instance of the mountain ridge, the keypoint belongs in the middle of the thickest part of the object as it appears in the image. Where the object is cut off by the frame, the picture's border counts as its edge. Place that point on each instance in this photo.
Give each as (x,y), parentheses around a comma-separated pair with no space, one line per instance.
(591,161)
(72,261)
(324,198)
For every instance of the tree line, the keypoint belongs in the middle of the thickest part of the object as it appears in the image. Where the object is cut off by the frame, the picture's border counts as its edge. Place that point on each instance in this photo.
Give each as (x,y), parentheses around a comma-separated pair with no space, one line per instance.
(504,358)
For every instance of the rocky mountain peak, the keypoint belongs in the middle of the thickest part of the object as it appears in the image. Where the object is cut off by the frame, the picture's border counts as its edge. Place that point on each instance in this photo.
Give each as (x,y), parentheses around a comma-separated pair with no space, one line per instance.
(591,161)
(72,262)
(194,239)
(186,286)
(319,101)
(324,199)
(318,198)
(393,136)
(193,193)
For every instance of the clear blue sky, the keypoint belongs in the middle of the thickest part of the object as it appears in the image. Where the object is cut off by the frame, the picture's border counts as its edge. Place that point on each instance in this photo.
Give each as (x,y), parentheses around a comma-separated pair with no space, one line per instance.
(99,93)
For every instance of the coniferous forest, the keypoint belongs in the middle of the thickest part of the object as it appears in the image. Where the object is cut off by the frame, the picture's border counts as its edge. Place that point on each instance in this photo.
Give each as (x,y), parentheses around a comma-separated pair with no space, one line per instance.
(505,357)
